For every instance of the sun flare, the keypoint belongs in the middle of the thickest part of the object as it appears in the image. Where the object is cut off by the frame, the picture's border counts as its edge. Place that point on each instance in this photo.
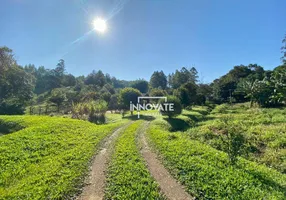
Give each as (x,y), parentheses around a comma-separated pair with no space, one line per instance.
(99,25)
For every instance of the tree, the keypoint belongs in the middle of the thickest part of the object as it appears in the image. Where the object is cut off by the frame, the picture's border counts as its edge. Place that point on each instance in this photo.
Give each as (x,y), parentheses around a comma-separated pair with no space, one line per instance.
(155,92)
(278,84)
(113,102)
(257,72)
(90,96)
(251,89)
(105,94)
(183,76)
(140,85)
(60,69)
(6,59)
(128,95)
(183,95)
(57,97)
(108,87)
(205,90)
(158,79)
(95,78)
(119,83)
(283,50)
(41,75)
(93,111)
(54,78)
(233,140)
(16,85)
(177,106)
(227,84)
(69,80)
(187,94)
(192,91)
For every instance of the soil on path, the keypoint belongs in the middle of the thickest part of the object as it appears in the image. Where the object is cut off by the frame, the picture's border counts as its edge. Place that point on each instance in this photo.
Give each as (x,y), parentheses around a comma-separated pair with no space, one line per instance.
(168,185)
(95,184)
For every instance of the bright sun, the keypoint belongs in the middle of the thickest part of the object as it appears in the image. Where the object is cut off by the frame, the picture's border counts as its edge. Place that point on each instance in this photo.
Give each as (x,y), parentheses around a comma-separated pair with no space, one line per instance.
(99,25)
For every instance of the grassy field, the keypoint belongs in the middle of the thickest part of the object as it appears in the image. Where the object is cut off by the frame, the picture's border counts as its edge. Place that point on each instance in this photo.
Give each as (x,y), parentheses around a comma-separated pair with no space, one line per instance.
(264,130)
(128,177)
(48,157)
(206,172)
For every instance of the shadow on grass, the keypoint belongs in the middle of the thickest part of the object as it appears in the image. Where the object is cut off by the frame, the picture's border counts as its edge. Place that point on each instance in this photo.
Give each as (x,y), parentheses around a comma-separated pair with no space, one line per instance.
(265,180)
(199,119)
(192,117)
(177,124)
(202,112)
(9,127)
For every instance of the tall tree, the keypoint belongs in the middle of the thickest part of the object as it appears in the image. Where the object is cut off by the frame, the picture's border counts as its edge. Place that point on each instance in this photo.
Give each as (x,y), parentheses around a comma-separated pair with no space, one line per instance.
(16,85)
(183,76)
(183,95)
(95,78)
(58,96)
(283,50)
(68,80)
(128,95)
(158,80)
(140,85)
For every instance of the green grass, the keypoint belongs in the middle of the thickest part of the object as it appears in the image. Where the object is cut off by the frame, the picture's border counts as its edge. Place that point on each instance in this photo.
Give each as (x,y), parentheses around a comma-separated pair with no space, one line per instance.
(206,172)
(128,177)
(49,157)
(112,117)
(264,129)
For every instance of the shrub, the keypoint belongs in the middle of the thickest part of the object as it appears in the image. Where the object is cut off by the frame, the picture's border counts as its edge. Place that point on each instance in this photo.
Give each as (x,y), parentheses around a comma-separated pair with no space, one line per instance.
(221,108)
(177,106)
(233,140)
(11,107)
(93,111)
(128,95)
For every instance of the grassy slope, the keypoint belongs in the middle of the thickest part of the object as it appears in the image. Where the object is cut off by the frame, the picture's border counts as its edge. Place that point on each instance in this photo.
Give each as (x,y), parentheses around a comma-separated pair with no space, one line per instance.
(265,130)
(128,177)
(206,173)
(48,158)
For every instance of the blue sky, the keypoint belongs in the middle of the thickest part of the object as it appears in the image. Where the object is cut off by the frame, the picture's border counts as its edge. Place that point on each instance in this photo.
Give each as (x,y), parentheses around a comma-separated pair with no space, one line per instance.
(145,35)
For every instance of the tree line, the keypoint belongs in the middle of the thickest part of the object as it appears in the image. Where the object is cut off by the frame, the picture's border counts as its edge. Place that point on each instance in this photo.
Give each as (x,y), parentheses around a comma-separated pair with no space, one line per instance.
(22,86)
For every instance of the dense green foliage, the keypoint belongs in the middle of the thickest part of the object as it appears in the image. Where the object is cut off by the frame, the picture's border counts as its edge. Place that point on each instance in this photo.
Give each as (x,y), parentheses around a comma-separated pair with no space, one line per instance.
(158,80)
(283,50)
(128,177)
(183,76)
(173,111)
(140,85)
(48,158)
(128,95)
(206,172)
(93,111)
(16,85)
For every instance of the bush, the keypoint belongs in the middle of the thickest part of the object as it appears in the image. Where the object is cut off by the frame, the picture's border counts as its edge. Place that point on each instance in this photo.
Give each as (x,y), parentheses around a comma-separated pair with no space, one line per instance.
(97,118)
(93,111)
(177,106)
(128,95)
(221,108)
(11,108)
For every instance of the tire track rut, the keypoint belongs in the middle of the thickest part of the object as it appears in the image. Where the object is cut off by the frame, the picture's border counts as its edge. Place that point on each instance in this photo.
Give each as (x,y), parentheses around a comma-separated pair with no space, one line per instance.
(168,185)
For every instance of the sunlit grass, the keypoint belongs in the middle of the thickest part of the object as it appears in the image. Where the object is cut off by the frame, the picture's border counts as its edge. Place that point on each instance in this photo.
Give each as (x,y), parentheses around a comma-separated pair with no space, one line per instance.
(49,157)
